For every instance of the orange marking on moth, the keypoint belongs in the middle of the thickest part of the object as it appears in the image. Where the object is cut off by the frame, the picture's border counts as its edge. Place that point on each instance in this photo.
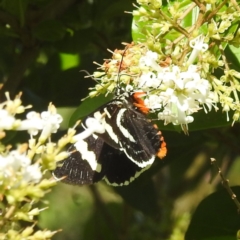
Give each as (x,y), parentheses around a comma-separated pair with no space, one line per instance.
(162,152)
(139,102)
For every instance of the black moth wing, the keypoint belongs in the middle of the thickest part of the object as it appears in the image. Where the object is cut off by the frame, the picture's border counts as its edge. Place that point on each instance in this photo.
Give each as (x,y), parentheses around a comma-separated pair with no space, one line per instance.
(76,170)
(144,142)
(130,130)
(113,165)
(118,170)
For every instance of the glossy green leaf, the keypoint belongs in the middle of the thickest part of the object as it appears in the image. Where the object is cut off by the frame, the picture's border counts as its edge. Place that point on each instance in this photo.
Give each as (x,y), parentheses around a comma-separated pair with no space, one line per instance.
(88,106)
(201,121)
(216,216)
(137,30)
(233,53)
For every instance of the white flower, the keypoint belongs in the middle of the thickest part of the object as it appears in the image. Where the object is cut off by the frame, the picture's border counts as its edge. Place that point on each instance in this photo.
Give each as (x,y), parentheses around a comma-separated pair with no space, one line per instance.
(93,125)
(6,120)
(173,113)
(149,60)
(51,122)
(198,43)
(18,164)
(17,160)
(12,163)
(147,80)
(33,123)
(153,102)
(180,93)
(4,167)
(52,119)
(198,46)
(32,173)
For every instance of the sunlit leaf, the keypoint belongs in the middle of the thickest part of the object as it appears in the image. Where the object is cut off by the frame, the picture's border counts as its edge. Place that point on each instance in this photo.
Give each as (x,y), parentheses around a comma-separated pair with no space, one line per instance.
(69,60)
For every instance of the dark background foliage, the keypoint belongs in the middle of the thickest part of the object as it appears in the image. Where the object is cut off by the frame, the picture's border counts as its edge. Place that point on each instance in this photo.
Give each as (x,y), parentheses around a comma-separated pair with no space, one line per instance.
(44,45)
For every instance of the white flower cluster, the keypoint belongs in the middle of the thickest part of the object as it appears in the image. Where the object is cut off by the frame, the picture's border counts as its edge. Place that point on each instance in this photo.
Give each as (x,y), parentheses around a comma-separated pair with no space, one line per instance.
(176,93)
(48,121)
(16,164)
(93,125)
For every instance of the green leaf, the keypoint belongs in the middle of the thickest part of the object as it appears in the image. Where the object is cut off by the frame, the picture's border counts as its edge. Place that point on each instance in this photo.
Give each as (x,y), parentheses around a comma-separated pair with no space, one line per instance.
(49,30)
(88,106)
(137,30)
(233,53)
(201,121)
(208,120)
(69,60)
(216,216)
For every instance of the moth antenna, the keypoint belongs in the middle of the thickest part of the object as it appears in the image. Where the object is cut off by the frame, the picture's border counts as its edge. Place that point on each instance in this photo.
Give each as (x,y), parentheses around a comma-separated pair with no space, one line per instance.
(118,90)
